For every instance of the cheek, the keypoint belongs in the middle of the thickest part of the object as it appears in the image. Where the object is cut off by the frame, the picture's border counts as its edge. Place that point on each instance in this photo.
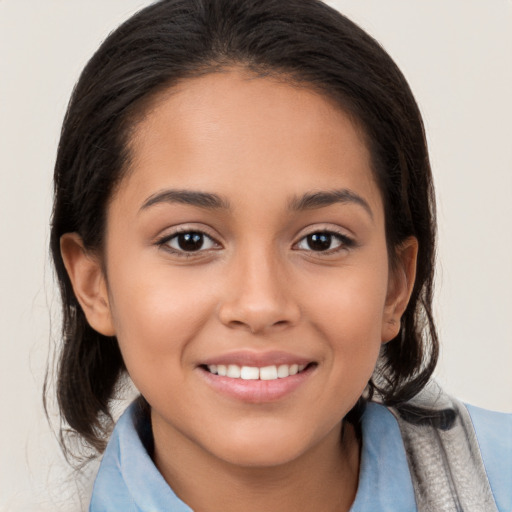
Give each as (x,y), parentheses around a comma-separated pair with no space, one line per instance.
(158,311)
(348,312)
(351,301)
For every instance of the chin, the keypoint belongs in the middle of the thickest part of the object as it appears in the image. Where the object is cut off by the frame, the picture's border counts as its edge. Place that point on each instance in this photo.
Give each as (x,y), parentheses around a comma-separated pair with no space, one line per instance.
(261,449)
(260,457)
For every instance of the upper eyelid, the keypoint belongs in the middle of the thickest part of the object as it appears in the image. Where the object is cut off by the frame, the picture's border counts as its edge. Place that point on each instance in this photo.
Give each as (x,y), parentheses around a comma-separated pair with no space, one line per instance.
(163,243)
(166,240)
(341,236)
(177,230)
(311,230)
(347,242)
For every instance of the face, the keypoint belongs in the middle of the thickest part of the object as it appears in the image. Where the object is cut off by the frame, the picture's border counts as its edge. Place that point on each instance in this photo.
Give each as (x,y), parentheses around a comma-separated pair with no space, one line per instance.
(247,274)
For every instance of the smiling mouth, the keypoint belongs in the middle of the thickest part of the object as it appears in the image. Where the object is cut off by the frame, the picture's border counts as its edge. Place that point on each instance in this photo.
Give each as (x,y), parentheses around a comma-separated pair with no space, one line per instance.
(271,372)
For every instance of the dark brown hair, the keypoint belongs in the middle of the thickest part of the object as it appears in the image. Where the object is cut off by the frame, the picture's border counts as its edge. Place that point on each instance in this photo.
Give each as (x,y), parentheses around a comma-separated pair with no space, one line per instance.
(303,41)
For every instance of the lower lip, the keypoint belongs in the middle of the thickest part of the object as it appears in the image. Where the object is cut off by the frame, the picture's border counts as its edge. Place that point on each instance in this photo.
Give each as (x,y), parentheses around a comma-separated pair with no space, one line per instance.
(257,391)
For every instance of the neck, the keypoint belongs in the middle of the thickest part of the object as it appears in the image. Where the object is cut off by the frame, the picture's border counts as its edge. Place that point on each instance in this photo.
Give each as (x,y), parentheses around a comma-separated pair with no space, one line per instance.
(324,478)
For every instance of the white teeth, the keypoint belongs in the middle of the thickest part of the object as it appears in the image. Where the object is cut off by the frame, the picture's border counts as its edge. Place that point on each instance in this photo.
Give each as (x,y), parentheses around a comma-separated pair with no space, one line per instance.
(249,373)
(283,371)
(268,373)
(273,372)
(233,371)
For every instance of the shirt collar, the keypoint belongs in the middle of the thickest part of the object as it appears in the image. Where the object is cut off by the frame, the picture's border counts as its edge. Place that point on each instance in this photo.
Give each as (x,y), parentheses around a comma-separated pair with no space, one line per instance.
(384,480)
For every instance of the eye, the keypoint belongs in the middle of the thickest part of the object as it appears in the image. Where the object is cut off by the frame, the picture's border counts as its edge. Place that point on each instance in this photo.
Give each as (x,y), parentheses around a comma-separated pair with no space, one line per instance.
(189,241)
(324,241)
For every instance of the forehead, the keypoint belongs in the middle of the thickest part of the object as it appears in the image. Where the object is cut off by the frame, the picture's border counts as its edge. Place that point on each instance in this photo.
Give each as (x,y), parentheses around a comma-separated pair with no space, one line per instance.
(231,130)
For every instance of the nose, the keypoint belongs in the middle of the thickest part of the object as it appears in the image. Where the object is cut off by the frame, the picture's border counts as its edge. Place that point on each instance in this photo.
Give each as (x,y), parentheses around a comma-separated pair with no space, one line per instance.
(258,295)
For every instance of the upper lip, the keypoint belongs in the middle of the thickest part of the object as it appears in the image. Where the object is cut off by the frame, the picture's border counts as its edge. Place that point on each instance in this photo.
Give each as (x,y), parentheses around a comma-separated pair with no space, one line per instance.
(257,359)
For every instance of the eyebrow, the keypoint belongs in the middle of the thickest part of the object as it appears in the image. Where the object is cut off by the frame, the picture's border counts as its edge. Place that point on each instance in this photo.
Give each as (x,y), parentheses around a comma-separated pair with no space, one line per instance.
(321,199)
(207,200)
(190,197)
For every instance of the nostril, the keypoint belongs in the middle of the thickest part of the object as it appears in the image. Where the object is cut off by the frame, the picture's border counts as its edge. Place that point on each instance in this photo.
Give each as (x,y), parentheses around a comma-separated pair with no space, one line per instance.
(246,312)
(280,325)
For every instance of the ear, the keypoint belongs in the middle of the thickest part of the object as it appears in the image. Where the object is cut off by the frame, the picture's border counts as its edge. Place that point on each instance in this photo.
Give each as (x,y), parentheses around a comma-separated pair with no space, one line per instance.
(88,281)
(400,286)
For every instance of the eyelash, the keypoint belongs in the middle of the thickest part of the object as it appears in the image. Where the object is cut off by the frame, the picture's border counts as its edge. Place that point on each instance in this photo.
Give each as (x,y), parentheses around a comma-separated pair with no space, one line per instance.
(165,241)
(345,242)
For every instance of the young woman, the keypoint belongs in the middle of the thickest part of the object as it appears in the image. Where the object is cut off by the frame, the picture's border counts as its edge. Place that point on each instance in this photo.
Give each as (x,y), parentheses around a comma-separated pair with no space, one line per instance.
(244,223)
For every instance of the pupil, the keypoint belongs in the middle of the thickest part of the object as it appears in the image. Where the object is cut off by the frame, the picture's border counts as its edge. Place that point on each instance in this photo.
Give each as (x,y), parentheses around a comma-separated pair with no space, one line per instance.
(319,241)
(190,241)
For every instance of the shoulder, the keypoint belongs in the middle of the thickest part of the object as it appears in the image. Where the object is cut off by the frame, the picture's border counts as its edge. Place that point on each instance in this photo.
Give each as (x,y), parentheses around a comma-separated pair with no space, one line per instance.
(494,434)
(110,490)
(443,446)
(127,479)
(384,479)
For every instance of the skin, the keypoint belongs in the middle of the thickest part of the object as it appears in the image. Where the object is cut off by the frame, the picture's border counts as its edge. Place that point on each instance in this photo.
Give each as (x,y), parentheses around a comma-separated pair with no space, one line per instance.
(256,286)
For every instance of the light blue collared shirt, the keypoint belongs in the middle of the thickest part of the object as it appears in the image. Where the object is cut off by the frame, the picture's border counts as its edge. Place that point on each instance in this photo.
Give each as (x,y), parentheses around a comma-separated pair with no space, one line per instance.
(128,481)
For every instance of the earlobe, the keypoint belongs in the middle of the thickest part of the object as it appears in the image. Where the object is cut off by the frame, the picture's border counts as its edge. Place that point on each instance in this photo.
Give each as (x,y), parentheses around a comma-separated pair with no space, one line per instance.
(400,286)
(88,281)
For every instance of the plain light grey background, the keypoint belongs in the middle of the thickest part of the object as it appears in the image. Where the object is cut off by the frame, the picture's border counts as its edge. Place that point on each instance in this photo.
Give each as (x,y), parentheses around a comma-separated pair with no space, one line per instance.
(457,56)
